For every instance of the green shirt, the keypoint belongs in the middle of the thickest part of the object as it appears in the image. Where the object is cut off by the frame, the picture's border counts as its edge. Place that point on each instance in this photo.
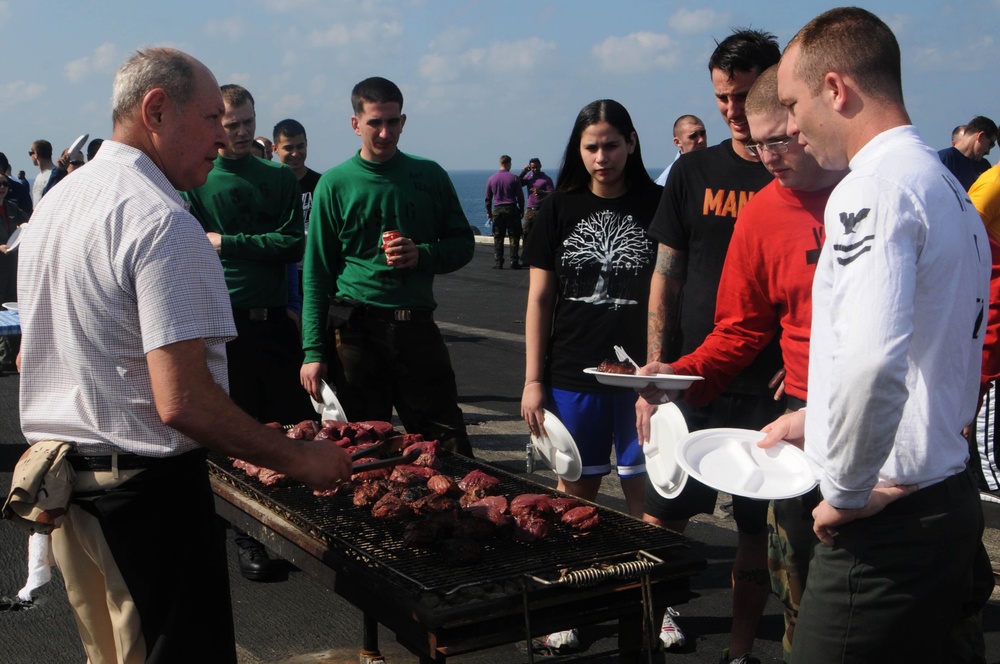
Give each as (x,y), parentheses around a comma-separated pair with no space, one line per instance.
(256,207)
(353,204)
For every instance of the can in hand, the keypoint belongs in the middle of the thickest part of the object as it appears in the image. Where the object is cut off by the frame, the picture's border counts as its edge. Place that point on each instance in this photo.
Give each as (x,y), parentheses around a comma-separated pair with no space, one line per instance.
(387,237)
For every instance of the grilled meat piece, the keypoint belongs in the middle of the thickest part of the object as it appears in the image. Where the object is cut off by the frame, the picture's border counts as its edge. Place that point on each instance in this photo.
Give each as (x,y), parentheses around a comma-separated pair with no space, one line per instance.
(562,505)
(304,430)
(246,467)
(531,504)
(390,507)
(408,494)
(442,484)
(361,475)
(462,552)
(528,528)
(432,503)
(411,475)
(423,532)
(472,527)
(339,490)
(610,366)
(491,508)
(428,453)
(270,477)
(274,425)
(477,479)
(581,518)
(369,493)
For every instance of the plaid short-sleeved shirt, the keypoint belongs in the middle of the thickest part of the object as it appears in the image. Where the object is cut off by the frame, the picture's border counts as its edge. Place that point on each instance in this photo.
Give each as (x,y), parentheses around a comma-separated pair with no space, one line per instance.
(112,266)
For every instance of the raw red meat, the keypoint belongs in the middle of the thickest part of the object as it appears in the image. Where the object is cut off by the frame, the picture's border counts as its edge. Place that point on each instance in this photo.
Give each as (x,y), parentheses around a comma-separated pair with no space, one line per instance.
(442,484)
(562,505)
(528,528)
(477,479)
(533,504)
(581,518)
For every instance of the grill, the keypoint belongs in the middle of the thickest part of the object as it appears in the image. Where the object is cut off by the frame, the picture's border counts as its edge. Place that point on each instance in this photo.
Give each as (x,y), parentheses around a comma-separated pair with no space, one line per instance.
(437,609)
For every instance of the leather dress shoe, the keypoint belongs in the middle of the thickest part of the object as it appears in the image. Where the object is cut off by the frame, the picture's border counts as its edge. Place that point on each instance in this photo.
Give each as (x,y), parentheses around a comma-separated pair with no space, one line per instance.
(254,562)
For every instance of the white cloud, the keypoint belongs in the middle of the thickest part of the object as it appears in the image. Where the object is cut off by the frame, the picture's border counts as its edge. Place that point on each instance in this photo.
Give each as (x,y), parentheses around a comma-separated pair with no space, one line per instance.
(230,29)
(637,52)
(687,21)
(967,58)
(499,59)
(104,59)
(363,33)
(240,78)
(16,93)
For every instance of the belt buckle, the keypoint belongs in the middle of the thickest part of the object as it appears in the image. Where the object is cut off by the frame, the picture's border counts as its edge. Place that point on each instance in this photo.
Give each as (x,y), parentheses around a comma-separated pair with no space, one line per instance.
(401,314)
(258,315)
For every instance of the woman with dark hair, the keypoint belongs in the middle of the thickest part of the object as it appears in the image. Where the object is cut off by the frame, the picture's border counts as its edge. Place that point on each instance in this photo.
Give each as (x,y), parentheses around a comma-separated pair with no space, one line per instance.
(591,262)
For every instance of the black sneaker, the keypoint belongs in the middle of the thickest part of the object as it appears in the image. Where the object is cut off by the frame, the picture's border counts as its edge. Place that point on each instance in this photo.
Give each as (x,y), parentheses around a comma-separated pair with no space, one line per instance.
(254,562)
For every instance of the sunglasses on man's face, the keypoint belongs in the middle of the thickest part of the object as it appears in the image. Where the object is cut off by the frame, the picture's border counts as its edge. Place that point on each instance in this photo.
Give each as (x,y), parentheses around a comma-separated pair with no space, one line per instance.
(31,153)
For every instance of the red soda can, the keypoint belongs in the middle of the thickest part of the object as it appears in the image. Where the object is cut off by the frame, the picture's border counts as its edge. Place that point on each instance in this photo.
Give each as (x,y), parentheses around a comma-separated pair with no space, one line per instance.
(389,236)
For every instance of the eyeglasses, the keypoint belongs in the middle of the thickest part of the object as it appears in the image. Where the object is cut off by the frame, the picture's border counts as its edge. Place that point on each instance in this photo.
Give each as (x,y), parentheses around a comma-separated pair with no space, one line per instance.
(774,147)
(31,153)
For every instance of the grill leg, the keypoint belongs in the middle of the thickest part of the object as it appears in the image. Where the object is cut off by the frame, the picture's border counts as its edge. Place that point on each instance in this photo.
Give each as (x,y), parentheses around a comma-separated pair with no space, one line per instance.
(369,639)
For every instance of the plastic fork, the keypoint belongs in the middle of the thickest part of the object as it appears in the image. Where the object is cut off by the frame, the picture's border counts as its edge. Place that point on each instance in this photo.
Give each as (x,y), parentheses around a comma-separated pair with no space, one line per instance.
(623,356)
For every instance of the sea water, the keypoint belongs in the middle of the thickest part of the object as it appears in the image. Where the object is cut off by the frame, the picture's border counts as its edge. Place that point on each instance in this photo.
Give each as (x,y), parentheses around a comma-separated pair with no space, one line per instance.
(471,189)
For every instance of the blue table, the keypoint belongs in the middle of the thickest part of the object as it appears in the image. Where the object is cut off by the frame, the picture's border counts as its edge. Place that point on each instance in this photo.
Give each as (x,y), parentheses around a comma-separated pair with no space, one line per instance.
(10,323)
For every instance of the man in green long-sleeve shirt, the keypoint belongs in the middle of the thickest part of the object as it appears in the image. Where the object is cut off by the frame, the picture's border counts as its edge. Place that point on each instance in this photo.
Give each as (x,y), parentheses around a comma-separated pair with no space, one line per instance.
(251,211)
(389,351)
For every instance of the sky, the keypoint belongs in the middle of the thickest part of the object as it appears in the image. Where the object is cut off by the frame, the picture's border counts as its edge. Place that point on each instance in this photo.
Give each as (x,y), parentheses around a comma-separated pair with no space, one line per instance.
(479,79)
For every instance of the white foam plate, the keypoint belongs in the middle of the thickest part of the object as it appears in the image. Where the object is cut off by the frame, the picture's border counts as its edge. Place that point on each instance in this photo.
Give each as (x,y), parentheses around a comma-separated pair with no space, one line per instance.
(330,409)
(558,449)
(666,428)
(729,460)
(662,381)
(14,239)
(78,144)
(10,306)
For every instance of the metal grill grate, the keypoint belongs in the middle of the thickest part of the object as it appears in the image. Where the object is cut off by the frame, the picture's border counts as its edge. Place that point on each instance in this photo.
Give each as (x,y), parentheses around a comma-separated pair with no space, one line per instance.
(355,534)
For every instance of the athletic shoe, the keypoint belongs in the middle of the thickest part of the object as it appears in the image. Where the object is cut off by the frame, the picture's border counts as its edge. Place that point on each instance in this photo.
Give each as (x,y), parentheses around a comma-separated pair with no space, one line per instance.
(563,642)
(745,659)
(670,634)
(990,496)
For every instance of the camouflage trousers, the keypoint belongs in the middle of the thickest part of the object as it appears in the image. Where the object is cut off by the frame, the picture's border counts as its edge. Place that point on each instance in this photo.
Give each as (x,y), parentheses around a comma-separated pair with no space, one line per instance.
(790,540)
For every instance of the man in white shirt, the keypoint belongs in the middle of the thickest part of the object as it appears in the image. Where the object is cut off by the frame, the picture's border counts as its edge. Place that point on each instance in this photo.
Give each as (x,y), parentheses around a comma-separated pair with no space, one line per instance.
(689,135)
(126,316)
(899,303)
(48,174)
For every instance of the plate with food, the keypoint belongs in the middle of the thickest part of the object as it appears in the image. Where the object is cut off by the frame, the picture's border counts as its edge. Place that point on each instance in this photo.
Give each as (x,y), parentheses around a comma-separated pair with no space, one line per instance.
(667,427)
(729,460)
(623,374)
(558,449)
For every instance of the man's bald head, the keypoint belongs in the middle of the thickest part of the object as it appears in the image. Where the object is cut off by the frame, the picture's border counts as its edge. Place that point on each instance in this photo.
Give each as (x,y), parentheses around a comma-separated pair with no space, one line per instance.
(174,71)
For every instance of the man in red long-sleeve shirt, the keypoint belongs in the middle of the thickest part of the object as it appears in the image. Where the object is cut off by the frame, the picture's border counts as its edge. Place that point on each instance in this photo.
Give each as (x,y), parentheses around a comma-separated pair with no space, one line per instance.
(766,282)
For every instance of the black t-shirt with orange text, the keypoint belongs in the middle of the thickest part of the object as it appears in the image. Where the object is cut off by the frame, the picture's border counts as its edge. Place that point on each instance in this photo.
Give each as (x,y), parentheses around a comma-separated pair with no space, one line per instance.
(704,193)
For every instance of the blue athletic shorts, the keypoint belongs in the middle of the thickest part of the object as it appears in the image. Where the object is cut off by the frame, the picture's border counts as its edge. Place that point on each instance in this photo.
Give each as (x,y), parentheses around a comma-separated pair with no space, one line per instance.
(598,420)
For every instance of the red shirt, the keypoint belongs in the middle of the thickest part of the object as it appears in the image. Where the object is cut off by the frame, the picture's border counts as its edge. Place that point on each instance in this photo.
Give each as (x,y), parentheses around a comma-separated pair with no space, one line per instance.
(766,288)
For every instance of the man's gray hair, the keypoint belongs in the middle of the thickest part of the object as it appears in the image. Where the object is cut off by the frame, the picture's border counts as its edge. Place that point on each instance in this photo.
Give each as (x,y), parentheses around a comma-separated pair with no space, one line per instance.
(147,70)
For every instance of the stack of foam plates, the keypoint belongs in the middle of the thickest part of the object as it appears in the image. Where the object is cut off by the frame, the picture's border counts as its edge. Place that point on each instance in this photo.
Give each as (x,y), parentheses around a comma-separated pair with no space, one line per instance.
(558,449)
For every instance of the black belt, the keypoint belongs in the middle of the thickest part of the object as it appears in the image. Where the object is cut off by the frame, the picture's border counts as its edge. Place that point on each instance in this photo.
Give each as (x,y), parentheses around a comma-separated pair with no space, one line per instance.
(259,314)
(936,495)
(394,315)
(505,205)
(102,462)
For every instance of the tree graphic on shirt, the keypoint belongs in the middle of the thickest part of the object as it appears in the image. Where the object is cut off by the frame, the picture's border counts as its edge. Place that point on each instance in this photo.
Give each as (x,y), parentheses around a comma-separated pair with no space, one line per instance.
(617,244)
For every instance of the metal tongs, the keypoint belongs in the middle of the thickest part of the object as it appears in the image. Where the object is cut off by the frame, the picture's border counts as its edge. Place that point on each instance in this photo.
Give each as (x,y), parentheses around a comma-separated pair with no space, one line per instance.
(623,356)
(377,448)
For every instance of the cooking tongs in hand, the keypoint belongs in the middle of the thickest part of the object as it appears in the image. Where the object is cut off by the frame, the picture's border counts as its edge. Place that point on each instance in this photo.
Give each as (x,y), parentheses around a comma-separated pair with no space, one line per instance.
(378,448)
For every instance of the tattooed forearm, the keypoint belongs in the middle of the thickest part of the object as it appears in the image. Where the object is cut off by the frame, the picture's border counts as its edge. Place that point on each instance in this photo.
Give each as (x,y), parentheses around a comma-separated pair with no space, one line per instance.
(670,263)
(664,301)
